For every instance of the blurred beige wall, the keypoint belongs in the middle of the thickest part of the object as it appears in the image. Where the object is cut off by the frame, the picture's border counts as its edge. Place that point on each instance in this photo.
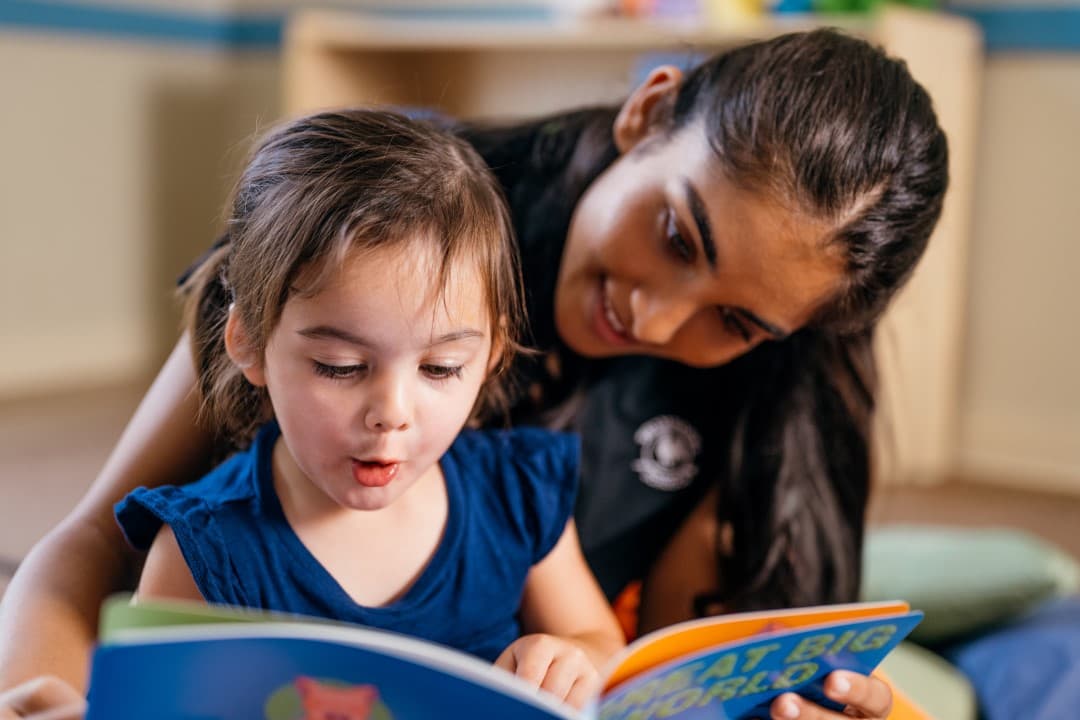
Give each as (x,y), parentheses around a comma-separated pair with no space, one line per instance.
(1020,408)
(115,158)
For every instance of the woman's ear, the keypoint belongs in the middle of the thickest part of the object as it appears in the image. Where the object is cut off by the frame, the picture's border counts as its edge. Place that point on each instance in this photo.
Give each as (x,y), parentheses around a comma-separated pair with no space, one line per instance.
(240,351)
(641,112)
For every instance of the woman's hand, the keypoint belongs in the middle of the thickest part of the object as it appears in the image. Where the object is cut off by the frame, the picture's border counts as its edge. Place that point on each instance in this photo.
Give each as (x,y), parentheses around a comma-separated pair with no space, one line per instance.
(42,698)
(863,697)
(560,667)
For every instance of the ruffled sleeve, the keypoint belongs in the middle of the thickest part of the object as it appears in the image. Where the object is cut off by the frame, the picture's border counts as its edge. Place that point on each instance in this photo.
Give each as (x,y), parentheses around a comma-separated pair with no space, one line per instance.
(198,532)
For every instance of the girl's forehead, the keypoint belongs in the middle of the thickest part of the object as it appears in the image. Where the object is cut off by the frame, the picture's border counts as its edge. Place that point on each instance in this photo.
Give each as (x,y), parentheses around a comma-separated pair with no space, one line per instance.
(412,278)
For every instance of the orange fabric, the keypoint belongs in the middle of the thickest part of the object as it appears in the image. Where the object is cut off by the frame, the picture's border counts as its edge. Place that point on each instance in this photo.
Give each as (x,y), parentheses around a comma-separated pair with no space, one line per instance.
(626,609)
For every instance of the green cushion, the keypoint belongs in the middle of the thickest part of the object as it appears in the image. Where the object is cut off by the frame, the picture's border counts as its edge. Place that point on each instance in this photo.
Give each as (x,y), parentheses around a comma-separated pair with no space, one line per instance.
(931,682)
(963,579)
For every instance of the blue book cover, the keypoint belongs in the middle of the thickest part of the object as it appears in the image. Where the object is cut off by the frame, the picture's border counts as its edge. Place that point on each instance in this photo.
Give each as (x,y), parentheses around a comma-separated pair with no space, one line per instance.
(177,660)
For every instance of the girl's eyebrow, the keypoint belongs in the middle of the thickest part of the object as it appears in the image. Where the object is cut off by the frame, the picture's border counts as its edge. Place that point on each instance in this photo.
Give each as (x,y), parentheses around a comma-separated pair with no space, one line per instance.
(329,332)
(463,334)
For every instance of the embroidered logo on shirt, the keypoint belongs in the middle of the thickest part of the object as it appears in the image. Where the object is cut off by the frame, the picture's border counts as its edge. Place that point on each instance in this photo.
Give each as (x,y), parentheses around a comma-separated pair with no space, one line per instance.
(669,447)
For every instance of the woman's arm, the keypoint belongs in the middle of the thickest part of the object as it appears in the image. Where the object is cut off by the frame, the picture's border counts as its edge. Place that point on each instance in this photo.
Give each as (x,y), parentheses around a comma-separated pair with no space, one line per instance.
(569,629)
(49,614)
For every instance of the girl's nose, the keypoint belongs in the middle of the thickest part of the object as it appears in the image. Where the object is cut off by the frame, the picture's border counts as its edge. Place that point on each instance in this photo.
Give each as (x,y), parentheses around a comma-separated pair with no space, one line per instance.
(389,406)
(658,316)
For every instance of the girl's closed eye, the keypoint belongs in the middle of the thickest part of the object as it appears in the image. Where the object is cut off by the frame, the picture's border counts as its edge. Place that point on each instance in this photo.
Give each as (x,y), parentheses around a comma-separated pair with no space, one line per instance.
(442,372)
(339,372)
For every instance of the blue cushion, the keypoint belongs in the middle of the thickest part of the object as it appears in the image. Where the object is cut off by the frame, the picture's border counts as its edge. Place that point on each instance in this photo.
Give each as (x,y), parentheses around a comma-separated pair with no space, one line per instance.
(1029,668)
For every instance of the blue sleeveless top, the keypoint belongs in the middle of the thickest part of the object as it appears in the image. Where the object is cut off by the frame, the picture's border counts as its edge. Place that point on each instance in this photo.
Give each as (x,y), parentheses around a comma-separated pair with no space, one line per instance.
(511,494)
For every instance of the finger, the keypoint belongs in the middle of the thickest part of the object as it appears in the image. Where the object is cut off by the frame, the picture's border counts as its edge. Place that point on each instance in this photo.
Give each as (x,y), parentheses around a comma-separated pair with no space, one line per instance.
(564,671)
(507,661)
(583,689)
(864,696)
(790,706)
(787,707)
(533,660)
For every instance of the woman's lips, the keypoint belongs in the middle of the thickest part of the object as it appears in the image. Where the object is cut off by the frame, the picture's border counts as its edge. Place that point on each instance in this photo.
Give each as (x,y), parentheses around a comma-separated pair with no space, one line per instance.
(374,473)
(606,322)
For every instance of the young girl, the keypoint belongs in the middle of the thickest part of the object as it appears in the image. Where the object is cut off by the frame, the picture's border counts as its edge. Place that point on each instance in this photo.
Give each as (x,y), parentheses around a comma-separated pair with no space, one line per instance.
(373,306)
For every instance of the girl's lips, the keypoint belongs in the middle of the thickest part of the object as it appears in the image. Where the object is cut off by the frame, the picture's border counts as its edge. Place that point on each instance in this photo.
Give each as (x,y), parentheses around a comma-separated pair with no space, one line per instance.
(606,323)
(374,473)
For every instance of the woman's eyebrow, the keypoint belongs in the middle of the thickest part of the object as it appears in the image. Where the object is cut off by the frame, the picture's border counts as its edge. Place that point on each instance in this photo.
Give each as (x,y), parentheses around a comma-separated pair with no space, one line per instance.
(708,246)
(701,219)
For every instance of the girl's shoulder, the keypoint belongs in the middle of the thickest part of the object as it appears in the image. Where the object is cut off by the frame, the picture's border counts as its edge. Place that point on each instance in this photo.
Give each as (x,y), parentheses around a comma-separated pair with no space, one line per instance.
(520,483)
(519,450)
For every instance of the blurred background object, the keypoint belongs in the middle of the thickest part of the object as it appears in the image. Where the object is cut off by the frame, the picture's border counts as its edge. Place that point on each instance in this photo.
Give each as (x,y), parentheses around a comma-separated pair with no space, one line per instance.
(122,123)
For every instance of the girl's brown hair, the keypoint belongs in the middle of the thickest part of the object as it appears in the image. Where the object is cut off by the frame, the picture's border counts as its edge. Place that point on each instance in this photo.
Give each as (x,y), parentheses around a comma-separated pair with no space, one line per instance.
(319,188)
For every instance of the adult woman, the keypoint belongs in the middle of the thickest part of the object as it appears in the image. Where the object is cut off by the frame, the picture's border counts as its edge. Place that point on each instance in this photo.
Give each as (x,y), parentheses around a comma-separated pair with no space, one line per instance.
(704,267)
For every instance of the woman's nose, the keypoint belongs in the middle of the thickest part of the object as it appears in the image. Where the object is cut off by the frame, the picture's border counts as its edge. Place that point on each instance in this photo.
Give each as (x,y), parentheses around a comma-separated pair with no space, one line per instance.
(658,316)
(389,405)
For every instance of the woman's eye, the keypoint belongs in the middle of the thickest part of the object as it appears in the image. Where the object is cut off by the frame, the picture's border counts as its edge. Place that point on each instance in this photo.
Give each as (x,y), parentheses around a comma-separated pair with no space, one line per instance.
(338,372)
(678,245)
(441,372)
(735,324)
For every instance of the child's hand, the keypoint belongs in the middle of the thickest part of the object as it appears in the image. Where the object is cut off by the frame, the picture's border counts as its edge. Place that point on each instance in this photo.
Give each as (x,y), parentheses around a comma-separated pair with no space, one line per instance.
(864,697)
(557,666)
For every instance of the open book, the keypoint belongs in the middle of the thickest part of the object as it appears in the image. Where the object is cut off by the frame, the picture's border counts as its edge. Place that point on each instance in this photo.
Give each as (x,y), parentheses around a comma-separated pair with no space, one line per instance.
(178,660)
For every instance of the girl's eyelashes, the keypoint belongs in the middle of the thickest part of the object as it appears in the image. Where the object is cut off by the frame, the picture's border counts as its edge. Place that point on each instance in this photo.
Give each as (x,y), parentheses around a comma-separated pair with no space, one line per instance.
(735,324)
(338,372)
(352,372)
(678,245)
(442,372)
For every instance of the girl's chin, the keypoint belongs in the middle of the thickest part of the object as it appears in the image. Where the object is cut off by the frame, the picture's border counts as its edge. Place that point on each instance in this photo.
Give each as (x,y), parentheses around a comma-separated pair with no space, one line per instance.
(367,504)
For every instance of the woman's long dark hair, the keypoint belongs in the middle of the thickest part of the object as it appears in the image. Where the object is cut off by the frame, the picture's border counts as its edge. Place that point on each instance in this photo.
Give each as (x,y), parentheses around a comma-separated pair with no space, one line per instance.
(831,126)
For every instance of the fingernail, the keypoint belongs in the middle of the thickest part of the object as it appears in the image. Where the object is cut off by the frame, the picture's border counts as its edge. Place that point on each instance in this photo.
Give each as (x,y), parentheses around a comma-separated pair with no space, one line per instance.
(789,709)
(841,685)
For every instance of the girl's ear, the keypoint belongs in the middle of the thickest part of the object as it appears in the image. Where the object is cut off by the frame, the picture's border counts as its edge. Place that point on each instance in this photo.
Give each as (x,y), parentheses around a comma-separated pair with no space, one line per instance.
(238,346)
(641,111)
